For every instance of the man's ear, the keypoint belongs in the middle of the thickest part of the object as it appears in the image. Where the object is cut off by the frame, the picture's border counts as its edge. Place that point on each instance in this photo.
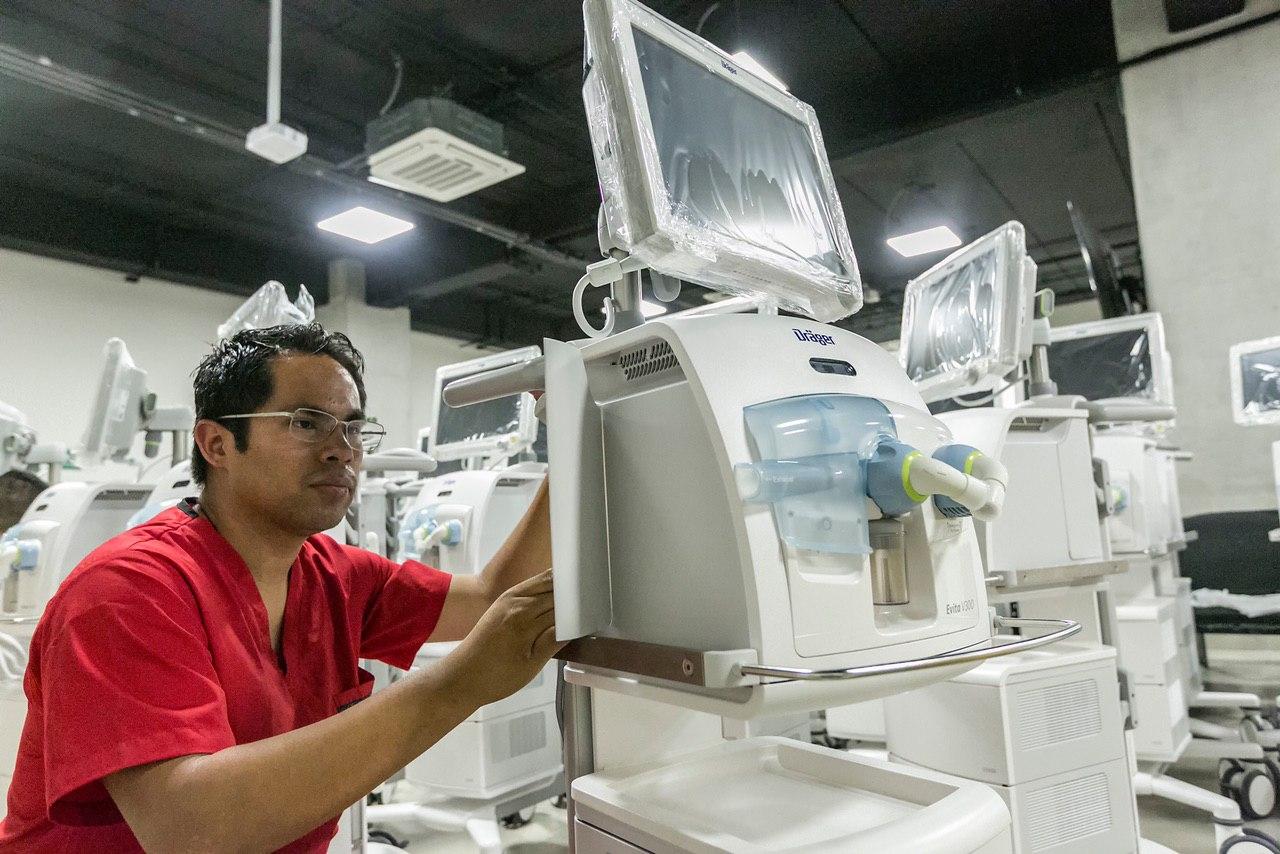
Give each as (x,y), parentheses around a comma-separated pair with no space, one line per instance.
(216,443)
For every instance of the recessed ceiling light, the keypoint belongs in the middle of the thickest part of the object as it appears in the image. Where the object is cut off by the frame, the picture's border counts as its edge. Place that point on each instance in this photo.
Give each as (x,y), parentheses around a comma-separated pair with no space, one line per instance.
(748,62)
(364,224)
(920,242)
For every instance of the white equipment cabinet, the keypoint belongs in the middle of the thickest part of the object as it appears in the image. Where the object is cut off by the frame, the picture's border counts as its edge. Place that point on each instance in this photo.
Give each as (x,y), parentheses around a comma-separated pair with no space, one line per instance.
(68,520)
(1149,653)
(1045,730)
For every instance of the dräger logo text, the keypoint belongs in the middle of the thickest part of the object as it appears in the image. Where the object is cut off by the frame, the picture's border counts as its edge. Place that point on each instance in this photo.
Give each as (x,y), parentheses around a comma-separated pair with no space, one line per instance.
(806,335)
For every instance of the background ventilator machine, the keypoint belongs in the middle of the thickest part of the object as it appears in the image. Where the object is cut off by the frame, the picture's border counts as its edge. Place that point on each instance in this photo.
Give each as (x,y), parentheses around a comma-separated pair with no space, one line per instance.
(1255,394)
(1123,368)
(751,515)
(507,755)
(71,518)
(1047,729)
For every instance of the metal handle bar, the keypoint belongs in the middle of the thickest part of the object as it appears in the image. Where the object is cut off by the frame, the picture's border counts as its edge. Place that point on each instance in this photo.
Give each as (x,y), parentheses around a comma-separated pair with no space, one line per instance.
(391,461)
(1065,629)
(1125,412)
(501,382)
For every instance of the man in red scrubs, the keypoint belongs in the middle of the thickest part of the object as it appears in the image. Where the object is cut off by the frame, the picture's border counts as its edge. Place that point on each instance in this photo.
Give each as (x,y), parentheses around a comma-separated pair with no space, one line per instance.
(194,684)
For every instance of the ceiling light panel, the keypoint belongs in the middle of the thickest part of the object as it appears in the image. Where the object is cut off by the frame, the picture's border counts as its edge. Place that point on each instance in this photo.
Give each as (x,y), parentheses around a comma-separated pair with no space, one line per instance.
(365,224)
(922,242)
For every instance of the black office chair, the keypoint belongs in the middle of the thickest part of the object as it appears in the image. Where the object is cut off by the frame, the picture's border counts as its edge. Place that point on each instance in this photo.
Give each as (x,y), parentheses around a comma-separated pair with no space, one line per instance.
(1232,552)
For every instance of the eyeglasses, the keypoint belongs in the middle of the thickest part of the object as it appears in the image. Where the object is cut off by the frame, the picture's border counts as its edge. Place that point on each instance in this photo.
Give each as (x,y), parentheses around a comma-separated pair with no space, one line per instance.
(313,427)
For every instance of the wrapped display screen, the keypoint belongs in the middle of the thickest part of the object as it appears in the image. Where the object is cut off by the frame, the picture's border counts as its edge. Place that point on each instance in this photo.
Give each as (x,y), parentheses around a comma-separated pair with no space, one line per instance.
(965,321)
(708,173)
(1117,359)
(1104,366)
(732,163)
(1255,381)
(960,322)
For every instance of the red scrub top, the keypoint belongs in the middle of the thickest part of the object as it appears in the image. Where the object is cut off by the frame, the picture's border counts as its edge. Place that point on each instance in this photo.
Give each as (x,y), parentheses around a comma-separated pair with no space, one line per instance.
(157,646)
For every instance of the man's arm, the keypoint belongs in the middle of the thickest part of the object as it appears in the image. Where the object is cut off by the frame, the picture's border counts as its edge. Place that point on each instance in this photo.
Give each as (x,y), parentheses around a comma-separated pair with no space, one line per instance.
(263,795)
(525,553)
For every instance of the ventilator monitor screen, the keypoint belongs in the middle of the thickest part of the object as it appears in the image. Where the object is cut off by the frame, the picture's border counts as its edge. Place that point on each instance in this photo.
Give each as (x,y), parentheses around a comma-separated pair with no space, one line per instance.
(1099,367)
(733,163)
(1260,381)
(955,321)
(478,421)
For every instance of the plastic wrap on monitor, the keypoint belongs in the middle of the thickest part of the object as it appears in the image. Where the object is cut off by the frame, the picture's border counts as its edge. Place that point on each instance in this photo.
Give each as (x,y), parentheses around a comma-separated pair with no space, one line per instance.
(966,321)
(1122,358)
(270,306)
(709,173)
(1255,381)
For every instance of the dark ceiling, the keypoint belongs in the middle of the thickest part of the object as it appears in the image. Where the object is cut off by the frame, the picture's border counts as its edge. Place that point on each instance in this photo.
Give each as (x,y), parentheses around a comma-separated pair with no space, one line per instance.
(121,128)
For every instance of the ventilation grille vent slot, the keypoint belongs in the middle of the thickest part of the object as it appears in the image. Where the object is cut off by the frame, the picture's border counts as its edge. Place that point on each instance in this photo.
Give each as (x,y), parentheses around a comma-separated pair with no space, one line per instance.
(1068,811)
(518,736)
(440,172)
(123,495)
(1058,713)
(440,166)
(647,360)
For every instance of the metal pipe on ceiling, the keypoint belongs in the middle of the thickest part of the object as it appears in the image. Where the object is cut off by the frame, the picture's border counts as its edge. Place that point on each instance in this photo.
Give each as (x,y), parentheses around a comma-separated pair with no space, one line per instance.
(275,48)
(43,72)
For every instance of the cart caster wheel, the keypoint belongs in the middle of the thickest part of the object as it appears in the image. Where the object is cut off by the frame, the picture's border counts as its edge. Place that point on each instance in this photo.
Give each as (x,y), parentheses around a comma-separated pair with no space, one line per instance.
(1250,841)
(515,820)
(1272,768)
(1228,769)
(560,802)
(1254,787)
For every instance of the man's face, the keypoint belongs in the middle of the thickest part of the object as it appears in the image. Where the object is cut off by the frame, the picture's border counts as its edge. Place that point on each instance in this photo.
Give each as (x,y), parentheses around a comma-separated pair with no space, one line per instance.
(302,488)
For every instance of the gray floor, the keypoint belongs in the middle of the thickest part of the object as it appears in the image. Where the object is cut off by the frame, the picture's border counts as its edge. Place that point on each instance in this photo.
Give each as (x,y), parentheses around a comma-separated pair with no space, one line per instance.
(1238,664)
(1250,665)
(1183,829)
(546,834)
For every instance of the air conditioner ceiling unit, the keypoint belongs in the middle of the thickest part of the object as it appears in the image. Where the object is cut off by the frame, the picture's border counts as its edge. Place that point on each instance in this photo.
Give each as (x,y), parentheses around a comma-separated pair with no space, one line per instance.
(436,148)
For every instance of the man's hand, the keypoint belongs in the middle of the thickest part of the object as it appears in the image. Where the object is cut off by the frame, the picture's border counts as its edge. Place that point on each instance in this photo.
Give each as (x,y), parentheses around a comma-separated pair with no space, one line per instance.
(510,643)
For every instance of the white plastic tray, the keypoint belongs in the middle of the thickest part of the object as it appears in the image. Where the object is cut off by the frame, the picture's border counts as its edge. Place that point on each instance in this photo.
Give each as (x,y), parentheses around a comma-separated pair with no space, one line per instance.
(775,794)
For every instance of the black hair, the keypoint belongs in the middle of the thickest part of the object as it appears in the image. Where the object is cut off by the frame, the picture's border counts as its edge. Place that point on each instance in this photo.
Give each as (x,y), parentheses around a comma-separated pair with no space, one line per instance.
(236,379)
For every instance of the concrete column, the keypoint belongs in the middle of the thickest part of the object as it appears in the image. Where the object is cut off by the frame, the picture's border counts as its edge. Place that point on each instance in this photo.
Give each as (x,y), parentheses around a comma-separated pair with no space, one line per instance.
(1204,138)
